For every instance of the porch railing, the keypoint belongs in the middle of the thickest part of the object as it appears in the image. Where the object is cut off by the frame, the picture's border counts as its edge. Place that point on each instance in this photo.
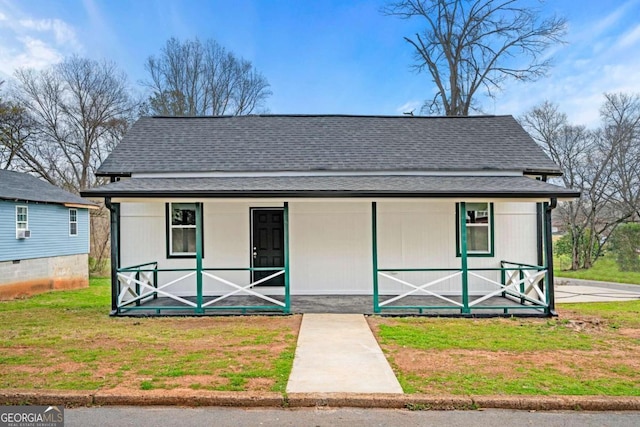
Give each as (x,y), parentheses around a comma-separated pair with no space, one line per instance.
(519,282)
(138,284)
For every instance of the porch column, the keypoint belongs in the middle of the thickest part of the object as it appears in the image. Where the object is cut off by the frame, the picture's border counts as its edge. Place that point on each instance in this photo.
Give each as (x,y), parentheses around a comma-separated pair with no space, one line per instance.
(548,246)
(463,257)
(199,257)
(114,222)
(287,292)
(374,254)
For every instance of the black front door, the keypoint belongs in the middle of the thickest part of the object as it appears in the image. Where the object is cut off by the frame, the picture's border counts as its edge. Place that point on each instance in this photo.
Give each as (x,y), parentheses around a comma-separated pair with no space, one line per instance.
(267,244)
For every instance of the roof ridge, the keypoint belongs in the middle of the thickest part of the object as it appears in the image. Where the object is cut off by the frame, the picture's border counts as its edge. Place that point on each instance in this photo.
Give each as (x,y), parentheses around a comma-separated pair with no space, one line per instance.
(377,116)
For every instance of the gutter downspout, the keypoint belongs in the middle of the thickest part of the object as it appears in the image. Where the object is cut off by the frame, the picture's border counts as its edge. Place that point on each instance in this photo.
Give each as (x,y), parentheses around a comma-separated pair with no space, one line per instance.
(548,207)
(114,220)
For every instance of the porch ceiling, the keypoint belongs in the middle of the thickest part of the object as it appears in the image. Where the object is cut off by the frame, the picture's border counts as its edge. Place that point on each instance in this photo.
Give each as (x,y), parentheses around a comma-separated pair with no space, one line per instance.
(335,186)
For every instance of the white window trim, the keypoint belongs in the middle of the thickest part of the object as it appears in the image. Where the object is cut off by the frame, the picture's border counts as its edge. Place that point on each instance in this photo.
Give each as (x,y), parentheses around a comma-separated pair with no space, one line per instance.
(26,223)
(73,222)
(171,227)
(488,226)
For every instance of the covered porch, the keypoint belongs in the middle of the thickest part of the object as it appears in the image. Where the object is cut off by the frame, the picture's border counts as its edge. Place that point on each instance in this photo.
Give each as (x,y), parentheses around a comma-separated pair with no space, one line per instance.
(402,277)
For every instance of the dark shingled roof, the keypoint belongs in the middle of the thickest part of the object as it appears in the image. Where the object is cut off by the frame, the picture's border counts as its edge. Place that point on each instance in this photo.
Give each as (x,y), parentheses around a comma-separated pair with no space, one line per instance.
(334,186)
(22,186)
(326,142)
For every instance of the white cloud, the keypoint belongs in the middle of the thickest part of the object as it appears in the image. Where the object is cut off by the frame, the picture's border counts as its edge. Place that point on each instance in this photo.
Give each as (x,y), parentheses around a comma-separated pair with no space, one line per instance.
(629,38)
(33,42)
(62,32)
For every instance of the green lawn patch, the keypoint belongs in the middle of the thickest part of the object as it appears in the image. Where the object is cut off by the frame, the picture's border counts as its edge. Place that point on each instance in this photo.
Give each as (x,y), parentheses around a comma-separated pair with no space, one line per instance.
(591,349)
(604,269)
(66,341)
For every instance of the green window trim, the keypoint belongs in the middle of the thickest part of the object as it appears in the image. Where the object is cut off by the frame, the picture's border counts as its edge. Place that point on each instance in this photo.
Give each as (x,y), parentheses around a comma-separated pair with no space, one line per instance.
(170,227)
(491,240)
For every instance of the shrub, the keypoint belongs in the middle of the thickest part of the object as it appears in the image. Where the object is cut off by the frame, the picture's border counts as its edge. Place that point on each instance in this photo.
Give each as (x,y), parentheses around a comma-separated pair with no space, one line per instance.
(625,245)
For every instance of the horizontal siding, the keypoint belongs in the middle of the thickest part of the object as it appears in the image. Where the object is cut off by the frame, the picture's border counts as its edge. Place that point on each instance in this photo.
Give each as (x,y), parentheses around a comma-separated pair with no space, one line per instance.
(49,225)
(330,243)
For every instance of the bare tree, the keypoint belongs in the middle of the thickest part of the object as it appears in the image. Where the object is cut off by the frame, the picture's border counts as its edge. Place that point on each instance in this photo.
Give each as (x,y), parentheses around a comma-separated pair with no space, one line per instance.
(193,78)
(64,121)
(601,163)
(16,128)
(471,47)
(79,108)
(621,126)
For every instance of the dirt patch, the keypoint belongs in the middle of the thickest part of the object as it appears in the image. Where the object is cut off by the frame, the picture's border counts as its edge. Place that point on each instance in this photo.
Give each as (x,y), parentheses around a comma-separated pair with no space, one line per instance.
(234,353)
(630,332)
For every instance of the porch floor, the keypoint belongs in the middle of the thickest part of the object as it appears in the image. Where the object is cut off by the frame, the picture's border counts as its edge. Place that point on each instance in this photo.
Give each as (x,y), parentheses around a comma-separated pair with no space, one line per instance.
(345,304)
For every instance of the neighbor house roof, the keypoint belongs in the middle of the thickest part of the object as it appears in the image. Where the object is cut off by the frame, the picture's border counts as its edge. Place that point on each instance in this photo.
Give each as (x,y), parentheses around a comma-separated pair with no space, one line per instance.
(334,186)
(25,187)
(275,143)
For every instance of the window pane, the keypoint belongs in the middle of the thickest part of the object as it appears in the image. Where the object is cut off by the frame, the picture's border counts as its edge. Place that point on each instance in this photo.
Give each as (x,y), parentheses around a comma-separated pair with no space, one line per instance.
(477,213)
(21,214)
(73,228)
(478,239)
(183,214)
(477,206)
(183,240)
(73,215)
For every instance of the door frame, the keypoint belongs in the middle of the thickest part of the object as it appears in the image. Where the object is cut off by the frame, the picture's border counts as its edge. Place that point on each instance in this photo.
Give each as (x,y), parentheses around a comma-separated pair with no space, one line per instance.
(251,211)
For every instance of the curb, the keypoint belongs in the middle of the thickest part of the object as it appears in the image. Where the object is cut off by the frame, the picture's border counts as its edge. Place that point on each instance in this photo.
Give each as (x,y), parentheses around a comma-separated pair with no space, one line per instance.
(191,398)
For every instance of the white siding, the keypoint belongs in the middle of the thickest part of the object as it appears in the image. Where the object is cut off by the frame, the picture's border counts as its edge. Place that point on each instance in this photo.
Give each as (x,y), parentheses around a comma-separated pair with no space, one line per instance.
(330,247)
(330,243)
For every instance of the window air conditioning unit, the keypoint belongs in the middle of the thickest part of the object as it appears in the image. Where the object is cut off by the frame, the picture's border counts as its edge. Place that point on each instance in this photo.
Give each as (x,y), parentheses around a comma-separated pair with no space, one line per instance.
(23,234)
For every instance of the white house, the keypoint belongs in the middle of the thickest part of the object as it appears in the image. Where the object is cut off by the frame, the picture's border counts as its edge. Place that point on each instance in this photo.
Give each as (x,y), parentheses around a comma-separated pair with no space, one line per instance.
(251,213)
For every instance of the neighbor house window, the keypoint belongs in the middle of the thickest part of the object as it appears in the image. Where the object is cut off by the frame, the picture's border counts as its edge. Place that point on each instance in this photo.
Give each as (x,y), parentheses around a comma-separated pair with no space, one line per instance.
(22,218)
(479,227)
(181,230)
(73,222)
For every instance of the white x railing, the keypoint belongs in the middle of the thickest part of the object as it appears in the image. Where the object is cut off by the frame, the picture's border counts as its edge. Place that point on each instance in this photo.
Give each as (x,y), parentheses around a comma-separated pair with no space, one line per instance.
(512,287)
(246,289)
(420,288)
(128,279)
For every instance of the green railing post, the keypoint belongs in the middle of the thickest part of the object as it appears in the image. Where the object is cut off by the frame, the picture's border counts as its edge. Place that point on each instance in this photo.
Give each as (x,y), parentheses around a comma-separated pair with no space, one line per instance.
(138,286)
(463,258)
(521,278)
(199,257)
(374,254)
(155,280)
(287,292)
(503,277)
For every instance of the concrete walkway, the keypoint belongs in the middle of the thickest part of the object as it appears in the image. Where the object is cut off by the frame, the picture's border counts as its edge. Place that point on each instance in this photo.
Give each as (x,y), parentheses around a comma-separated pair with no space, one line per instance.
(578,290)
(338,353)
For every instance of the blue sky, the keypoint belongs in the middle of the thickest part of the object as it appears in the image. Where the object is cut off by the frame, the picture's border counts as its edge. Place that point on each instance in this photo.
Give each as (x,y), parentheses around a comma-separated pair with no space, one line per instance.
(322,56)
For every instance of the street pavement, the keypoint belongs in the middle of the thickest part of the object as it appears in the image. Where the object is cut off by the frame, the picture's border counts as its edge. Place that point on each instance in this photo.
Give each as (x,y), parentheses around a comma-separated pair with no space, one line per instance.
(337,417)
(578,290)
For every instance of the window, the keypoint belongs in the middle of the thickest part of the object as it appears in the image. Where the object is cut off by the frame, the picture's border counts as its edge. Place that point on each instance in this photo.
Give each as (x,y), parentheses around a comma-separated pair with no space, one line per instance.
(73,222)
(479,226)
(181,230)
(22,218)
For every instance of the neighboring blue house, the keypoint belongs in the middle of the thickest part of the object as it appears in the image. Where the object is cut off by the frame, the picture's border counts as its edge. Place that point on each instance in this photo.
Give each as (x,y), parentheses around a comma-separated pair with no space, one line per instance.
(44,236)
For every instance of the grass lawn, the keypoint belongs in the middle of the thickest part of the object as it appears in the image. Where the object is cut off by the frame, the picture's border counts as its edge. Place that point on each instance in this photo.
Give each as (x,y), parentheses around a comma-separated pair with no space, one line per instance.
(591,349)
(604,269)
(66,340)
